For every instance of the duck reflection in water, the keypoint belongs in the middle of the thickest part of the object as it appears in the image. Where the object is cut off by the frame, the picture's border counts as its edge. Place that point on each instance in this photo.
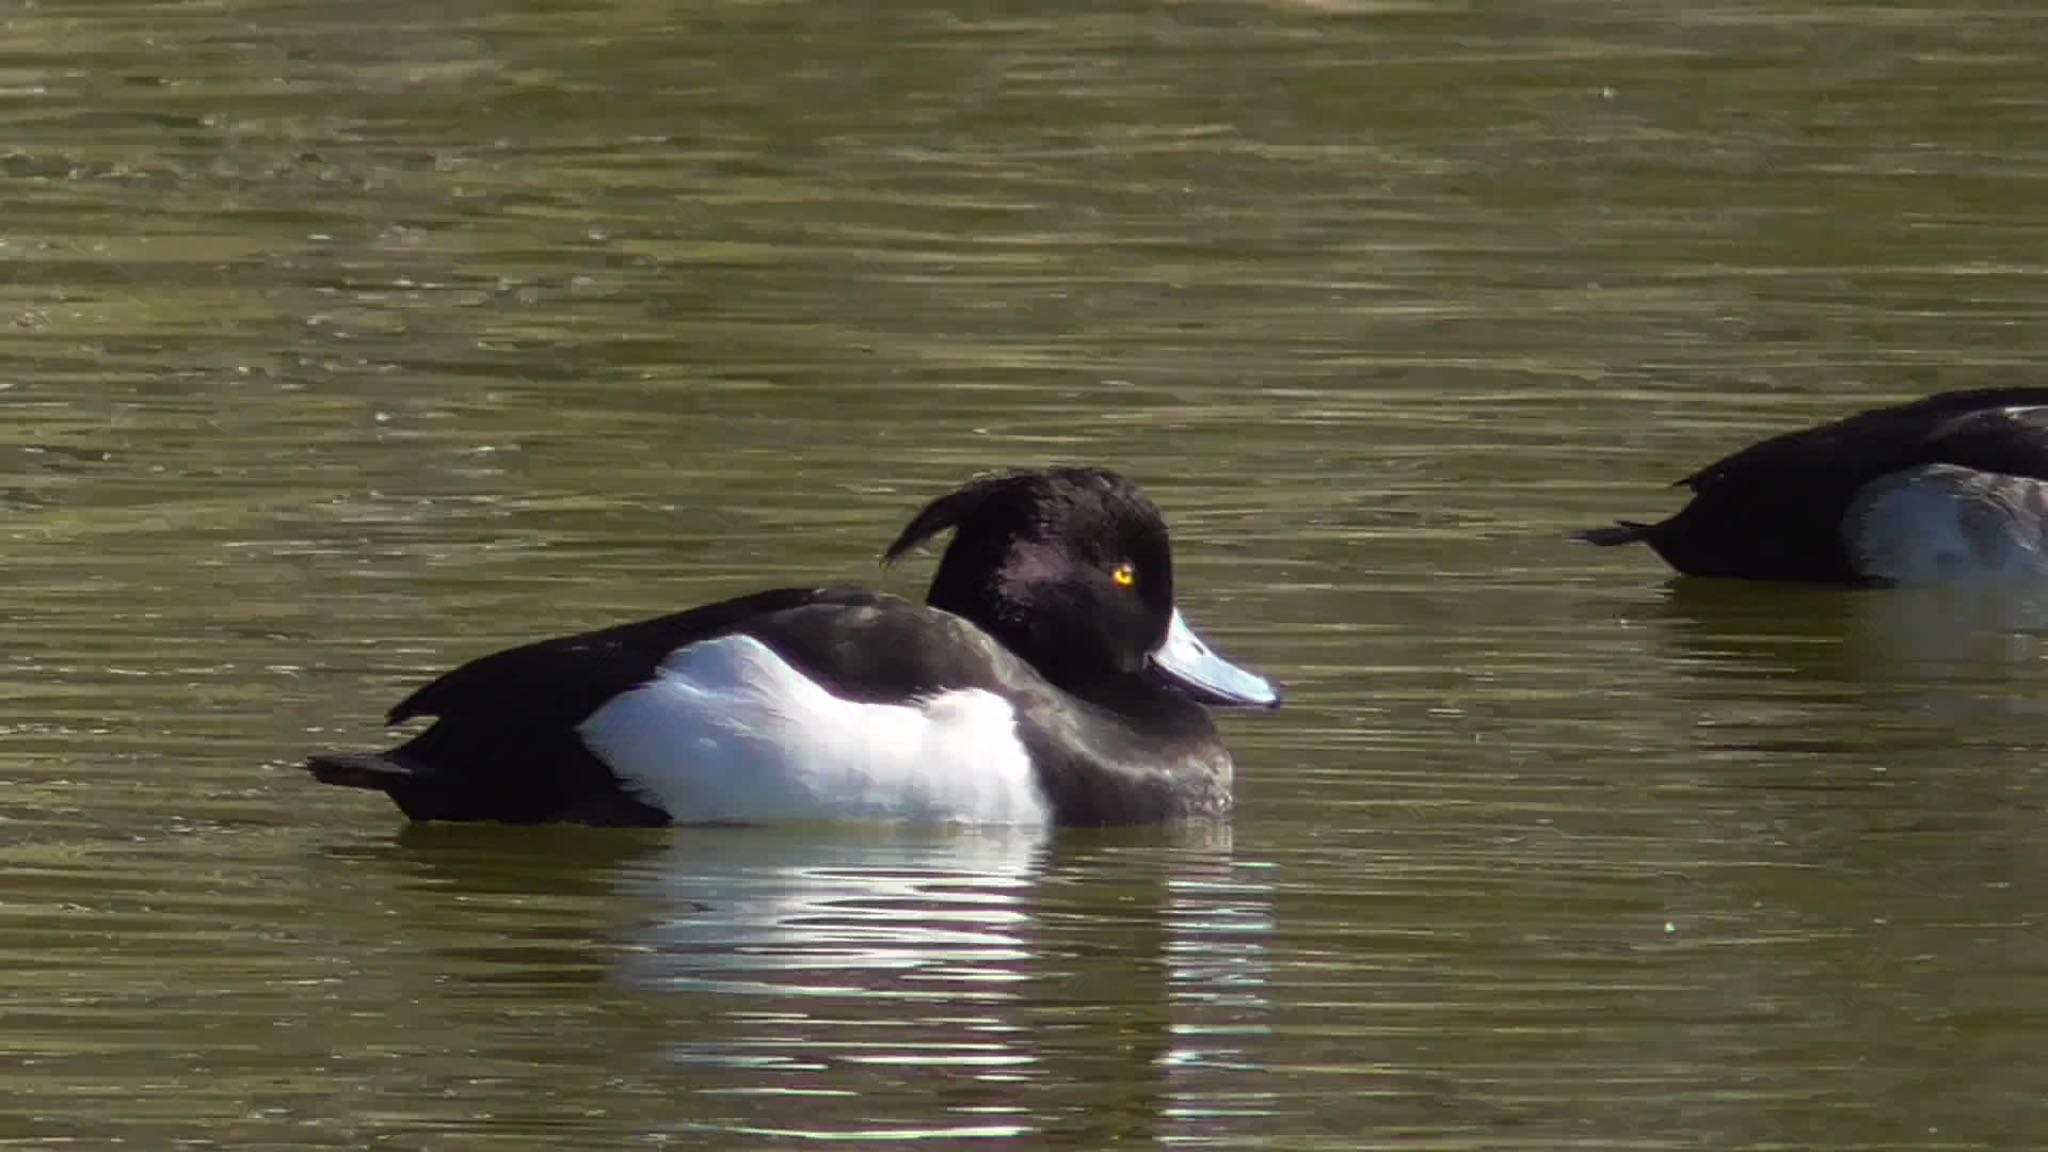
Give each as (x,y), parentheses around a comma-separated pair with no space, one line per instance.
(980,982)
(864,981)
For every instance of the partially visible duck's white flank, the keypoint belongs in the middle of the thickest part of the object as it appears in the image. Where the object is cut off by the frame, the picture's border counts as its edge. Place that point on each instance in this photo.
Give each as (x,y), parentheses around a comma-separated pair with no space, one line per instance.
(728,731)
(1943,524)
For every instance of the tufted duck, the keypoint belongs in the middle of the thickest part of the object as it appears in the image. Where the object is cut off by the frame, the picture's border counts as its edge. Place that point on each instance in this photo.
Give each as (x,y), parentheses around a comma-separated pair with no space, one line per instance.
(1953,487)
(1048,678)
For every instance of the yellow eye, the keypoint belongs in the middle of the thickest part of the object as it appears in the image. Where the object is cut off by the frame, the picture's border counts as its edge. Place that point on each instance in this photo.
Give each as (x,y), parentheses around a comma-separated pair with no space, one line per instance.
(1124,575)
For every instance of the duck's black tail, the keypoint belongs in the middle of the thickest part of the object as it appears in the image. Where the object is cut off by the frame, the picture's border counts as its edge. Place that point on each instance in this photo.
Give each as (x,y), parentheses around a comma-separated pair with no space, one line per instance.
(419,791)
(516,780)
(372,770)
(1620,532)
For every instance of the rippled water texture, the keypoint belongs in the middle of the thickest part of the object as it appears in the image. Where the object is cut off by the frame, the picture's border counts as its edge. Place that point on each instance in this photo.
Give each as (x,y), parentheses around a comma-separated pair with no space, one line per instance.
(344,343)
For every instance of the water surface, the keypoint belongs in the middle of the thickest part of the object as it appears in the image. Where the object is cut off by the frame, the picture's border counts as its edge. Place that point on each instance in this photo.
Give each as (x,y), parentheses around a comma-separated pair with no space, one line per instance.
(347,345)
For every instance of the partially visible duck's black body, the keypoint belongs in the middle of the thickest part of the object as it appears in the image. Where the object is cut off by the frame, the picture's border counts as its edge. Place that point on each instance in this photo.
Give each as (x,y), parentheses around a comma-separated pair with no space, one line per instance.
(1838,503)
(1054,601)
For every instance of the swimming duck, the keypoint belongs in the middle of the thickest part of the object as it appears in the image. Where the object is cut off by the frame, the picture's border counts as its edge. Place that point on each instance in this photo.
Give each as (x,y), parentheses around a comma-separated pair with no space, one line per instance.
(1952,487)
(1049,678)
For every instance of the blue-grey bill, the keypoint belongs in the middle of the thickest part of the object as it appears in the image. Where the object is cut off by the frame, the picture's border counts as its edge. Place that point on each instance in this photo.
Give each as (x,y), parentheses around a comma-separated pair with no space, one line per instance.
(1195,668)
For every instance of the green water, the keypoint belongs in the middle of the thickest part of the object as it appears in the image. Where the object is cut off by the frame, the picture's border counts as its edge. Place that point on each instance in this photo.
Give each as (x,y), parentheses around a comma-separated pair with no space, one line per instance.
(344,343)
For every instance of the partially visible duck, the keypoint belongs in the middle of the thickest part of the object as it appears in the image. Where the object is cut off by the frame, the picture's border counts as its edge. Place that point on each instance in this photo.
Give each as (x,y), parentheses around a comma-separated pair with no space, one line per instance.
(1048,678)
(1953,487)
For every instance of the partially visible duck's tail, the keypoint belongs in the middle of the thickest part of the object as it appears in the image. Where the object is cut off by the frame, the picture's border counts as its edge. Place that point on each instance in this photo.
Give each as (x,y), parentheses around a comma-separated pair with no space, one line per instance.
(524,780)
(420,791)
(371,770)
(1620,532)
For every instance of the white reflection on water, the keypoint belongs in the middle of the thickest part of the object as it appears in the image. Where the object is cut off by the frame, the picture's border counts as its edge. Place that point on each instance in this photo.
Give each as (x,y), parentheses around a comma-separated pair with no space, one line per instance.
(1220,921)
(888,914)
(1946,633)
(896,984)
(1951,651)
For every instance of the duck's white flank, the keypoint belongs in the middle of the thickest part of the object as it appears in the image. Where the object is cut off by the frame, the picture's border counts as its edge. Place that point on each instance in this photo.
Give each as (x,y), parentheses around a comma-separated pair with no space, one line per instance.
(728,731)
(1941,524)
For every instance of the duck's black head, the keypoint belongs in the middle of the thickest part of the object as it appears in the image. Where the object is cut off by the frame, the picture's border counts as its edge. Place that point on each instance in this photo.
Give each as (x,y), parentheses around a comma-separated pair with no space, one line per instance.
(1070,569)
